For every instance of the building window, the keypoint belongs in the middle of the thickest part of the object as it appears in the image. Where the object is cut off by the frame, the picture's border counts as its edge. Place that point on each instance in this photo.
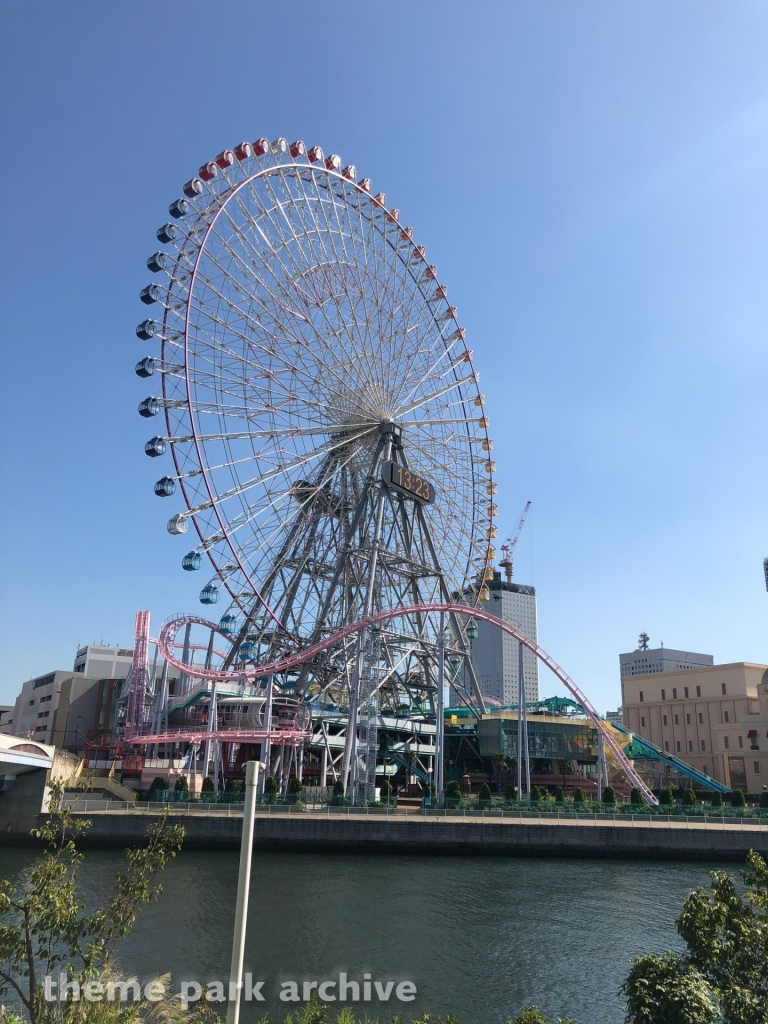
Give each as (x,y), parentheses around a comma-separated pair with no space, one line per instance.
(666,745)
(641,696)
(698,691)
(688,719)
(31,703)
(703,746)
(741,741)
(752,736)
(701,718)
(690,746)
(642,723)
(678,746)
(677,720)
(722,687)
(665,719)
(726,742)
(725,716)
(663,694)
(674,693)
(756,767)
(685,691)
(704,769)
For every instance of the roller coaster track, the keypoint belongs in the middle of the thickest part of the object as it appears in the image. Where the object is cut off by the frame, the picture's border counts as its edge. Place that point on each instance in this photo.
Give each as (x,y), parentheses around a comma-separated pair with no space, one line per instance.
(170,629)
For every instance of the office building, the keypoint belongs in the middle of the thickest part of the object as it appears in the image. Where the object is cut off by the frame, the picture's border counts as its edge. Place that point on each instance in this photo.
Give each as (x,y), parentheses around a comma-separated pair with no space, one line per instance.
(714,717)
(495,654)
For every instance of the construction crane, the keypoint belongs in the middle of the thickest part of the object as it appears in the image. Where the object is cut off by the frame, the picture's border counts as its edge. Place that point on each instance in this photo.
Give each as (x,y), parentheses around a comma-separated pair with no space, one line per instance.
(509,546)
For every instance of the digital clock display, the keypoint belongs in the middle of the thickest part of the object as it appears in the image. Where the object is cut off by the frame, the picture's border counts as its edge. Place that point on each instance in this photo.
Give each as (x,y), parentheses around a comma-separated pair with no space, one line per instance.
(408,483)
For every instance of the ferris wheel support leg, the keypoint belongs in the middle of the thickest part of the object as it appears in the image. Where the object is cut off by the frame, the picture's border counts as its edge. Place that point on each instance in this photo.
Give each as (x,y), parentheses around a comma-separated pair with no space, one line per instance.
(266,749)
(470,668)
(341,561)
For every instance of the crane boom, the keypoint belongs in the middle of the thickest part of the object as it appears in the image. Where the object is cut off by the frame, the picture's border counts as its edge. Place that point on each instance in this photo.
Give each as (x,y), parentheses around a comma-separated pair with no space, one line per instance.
(509,546)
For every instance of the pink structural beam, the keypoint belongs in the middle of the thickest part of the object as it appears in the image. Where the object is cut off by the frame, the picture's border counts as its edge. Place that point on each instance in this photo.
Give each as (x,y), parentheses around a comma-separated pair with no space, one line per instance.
(278,737)
(169,630)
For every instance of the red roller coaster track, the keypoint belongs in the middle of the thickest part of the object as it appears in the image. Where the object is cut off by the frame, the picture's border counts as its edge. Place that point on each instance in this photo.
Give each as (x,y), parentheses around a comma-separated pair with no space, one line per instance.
(169,630)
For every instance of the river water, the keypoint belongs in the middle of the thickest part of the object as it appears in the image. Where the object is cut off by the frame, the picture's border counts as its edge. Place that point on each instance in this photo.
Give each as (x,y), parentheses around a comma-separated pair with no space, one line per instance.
(478,937)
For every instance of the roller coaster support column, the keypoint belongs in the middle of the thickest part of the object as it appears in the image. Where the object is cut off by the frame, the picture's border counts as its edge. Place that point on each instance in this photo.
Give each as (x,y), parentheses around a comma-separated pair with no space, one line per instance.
(440,723)
(266,750)
(243,886)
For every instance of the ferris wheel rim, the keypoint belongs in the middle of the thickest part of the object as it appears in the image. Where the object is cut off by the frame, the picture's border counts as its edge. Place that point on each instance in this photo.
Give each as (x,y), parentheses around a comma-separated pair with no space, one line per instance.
(222,200)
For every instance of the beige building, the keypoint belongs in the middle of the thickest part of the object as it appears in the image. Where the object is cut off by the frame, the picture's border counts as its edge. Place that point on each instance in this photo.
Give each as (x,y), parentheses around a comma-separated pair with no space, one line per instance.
(715,718)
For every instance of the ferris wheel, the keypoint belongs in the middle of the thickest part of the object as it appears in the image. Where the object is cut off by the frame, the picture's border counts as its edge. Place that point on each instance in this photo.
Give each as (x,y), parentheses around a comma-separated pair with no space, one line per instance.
(321,415)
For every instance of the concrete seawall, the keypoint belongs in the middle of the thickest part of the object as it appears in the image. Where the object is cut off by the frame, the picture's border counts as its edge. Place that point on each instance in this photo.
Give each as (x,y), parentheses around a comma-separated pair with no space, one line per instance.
(650,839)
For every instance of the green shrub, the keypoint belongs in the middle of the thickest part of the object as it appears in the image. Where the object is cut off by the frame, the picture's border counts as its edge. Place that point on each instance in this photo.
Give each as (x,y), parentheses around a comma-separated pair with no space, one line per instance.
(510,793)
(578,795)
(182,786)
(635,796)
(716,799)
(530,1015)
(453,790)
(385,789)
(666,797)
(689,798)
(207,786)
(609,795)
(559,795)
(737,798)
(764,799)
(338,788)
(270,786)
(157,785)
(295,787)
(535,794)
(484,796)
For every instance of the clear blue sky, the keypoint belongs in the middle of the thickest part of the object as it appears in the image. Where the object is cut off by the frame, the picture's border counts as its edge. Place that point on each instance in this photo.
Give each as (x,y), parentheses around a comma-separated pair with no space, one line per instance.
(590,178)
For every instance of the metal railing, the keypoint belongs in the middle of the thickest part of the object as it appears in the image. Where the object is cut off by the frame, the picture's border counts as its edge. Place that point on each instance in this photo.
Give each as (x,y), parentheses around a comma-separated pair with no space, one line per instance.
(200,808)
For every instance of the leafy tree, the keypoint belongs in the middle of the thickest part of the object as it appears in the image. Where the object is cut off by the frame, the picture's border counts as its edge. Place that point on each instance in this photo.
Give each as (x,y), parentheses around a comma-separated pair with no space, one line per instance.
(764,799)
(578,795)
(207,786)
(609,795)
(386,789)
(44,928)
(559,795)
(410,757)
(727,938)
(535,794)
(484,796)
(667,990)
(499,768)
(716,799)
(737,798)
(689,798)
(295,787)
(565,766)
(512,764)
(338,788)
(182,786)
(157,785)
(635,796)
(666,796)
(270,785)
(510,792)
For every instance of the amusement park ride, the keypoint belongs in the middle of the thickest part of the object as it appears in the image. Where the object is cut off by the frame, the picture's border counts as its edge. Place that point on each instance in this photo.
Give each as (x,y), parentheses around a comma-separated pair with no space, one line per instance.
(329,444)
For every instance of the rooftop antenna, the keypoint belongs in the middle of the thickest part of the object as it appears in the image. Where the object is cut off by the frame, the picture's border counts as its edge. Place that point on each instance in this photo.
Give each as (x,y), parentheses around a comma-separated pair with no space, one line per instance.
(509,546)
(642,643)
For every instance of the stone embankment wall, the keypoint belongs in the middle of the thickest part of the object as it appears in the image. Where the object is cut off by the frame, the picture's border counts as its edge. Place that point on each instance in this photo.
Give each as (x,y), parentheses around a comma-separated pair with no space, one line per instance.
(414,834)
